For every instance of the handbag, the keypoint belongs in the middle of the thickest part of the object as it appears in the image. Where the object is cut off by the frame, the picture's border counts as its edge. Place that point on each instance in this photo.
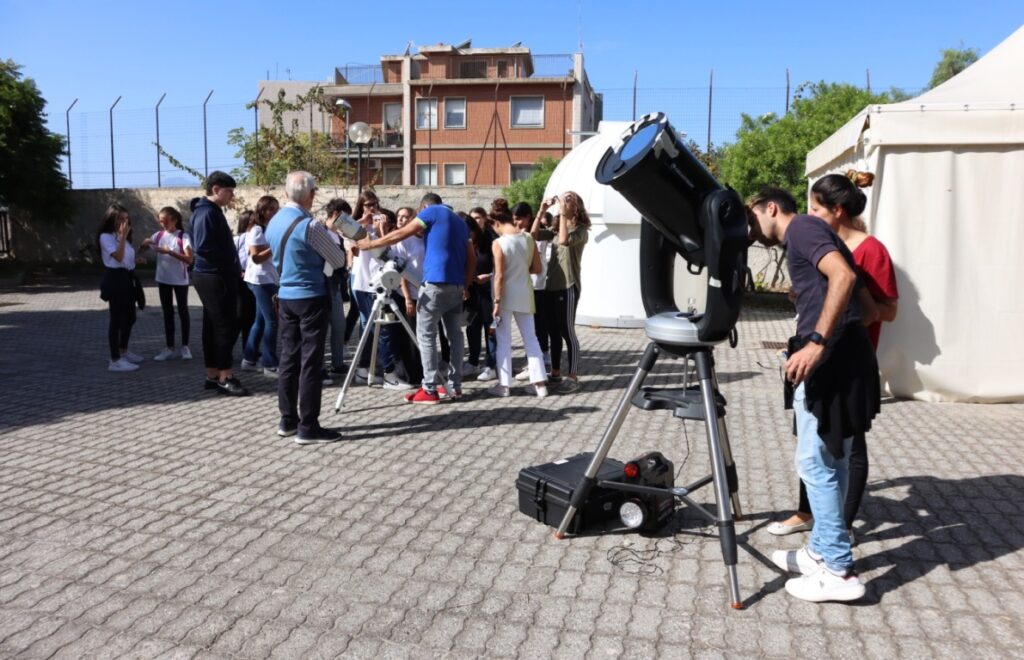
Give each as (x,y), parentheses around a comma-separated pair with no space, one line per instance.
(140,292)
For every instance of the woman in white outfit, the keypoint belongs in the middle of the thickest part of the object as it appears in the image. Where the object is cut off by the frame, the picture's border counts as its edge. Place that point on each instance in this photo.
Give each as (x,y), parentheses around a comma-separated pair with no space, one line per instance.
(515,259)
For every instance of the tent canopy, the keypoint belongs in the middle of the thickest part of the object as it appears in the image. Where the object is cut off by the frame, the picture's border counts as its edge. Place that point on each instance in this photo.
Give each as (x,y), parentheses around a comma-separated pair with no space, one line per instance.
(984,104)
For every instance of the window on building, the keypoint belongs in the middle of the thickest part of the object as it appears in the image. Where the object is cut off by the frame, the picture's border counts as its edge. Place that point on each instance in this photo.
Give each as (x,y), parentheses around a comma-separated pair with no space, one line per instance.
(426,175)
(454,112)
(503,68)
(392,175)
(521,172)
(426,114)
(473,69)
(527,112)
(455,175)
(392,124)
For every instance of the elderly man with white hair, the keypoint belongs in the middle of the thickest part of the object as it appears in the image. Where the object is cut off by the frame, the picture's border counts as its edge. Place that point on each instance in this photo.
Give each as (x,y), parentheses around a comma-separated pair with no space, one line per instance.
(301,248)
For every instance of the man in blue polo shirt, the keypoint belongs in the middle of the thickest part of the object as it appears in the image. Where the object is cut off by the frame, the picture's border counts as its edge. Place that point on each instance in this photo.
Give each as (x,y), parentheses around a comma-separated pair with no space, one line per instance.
(448,263)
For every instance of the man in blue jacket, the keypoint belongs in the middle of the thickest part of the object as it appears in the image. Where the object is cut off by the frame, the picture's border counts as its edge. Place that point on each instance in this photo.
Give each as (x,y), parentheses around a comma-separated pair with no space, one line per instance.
(305,306)
(216,277)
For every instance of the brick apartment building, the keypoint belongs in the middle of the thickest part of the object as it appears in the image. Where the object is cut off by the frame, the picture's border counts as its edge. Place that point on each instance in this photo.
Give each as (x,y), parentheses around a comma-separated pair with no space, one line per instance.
(457,115)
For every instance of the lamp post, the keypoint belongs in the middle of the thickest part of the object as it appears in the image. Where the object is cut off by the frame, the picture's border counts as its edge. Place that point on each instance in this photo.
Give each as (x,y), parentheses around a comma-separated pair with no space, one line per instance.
(341,105)
(359,133)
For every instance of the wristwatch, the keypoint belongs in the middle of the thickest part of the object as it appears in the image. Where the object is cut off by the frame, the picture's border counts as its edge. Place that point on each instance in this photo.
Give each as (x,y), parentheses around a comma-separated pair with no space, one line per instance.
(816,338)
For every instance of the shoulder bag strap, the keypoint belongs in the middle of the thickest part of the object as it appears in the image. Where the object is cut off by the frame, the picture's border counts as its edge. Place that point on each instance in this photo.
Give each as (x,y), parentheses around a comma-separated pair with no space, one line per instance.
(287,235)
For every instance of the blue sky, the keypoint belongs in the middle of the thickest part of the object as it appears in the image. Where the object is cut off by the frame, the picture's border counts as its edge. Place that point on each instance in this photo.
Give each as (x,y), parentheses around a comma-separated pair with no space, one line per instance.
(97,51)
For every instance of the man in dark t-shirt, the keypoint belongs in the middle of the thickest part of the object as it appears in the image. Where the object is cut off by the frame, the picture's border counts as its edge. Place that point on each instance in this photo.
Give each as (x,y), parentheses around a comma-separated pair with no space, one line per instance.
(831,366)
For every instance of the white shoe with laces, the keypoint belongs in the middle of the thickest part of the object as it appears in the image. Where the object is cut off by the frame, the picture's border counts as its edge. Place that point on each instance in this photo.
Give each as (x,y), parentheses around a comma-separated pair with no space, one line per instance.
(487,374)
(824,585)
(134,358)
(796,561)
(540,391)
(523,375)
(185,353)
(122,365)
(166,354)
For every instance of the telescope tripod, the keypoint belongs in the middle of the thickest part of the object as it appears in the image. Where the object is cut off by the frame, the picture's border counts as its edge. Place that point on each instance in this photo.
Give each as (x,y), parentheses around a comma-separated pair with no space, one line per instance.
(702,402)
(382,304)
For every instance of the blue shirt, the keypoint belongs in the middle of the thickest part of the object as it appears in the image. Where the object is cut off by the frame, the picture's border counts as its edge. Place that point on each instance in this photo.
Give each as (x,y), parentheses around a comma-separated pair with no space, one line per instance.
(302,276)
(445,245)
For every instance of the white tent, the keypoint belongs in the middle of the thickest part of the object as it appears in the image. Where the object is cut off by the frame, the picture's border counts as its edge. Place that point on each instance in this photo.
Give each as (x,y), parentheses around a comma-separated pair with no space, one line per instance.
(948,202)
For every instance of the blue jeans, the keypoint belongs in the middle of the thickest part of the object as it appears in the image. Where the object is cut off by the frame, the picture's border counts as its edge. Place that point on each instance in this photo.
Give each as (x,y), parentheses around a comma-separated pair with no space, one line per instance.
(825,478)
(439,303)
(262,339)
(337,320)
(386,352)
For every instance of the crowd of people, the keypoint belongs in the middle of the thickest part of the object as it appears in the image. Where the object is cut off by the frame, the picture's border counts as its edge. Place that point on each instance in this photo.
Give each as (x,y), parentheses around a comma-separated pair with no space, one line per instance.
(277,290)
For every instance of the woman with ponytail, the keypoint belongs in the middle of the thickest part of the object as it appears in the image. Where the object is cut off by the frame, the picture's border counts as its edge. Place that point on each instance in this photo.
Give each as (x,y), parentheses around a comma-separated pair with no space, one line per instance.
(838,200)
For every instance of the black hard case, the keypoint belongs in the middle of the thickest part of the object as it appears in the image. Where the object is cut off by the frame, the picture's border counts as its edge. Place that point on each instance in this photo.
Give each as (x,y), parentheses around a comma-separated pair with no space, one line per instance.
(545,491)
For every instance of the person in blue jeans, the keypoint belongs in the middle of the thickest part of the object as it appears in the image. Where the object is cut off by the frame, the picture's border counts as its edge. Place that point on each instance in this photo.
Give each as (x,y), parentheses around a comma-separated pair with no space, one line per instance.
(262,279)
(449,264)
(836,393)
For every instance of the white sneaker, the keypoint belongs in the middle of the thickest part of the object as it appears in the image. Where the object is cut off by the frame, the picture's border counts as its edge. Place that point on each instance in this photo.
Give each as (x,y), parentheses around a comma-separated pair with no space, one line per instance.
(498,390)
(523,375)
(134,358)
(270,372)
(122,365)
(166,354)
(249,366)
(540,391)
(393,382)
(796,561)
(487,374)
(824,585)
(363,374)
(185,353)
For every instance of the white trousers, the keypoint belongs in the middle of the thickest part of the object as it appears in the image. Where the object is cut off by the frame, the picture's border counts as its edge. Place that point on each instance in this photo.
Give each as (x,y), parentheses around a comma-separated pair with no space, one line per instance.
(503,337)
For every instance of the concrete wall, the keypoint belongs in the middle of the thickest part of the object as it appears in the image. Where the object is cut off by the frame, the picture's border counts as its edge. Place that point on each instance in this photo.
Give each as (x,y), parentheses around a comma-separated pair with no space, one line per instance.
(76,240)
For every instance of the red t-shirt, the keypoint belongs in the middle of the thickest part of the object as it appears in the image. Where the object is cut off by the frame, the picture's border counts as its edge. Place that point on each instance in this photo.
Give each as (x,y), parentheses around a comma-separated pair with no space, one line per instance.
(876,268)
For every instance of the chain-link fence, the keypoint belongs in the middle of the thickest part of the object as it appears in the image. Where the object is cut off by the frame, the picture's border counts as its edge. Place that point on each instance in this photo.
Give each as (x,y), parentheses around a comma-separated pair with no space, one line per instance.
(117,147)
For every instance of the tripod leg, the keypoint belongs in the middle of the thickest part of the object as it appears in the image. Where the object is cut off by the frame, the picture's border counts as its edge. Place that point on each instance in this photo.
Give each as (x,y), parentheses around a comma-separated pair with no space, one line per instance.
(375,319)
(730,464)
(582,490)
(726,526)
(367,331)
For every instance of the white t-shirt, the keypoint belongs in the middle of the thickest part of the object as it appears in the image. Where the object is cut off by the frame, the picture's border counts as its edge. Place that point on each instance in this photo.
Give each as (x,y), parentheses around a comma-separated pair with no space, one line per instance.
(411,250)
(108,245)
(243,254)
(168,269)
(541,278)
(264,273)
(365,267)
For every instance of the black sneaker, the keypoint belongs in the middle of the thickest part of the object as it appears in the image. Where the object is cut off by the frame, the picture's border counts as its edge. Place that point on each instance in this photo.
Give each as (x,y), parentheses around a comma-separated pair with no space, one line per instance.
(337,371)
(325,376)
(211,384)
(284,429)
(318,437)
(231,387)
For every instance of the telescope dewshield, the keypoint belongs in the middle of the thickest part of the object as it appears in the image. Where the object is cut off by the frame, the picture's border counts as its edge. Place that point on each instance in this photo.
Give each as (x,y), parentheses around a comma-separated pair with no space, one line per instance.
(687,212)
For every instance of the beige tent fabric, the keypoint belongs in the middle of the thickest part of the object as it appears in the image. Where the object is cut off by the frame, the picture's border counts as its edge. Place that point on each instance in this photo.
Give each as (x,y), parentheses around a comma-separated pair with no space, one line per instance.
(948,202)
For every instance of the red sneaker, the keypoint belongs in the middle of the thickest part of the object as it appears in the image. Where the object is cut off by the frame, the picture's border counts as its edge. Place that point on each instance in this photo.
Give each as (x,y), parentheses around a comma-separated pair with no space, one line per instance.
(422,396)
(456,392)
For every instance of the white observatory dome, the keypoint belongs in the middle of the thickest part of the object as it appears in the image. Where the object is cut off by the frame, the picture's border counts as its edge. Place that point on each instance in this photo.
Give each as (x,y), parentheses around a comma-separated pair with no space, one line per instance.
(610,290)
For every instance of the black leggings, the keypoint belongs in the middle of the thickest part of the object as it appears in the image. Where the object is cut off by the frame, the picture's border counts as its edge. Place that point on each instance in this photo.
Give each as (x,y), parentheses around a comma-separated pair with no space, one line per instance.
(120,291)
(857,481)
(219,294)
(168,292)
(562,325)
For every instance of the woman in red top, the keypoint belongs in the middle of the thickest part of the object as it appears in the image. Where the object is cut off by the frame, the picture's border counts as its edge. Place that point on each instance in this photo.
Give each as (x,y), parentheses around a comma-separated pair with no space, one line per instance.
(837,200)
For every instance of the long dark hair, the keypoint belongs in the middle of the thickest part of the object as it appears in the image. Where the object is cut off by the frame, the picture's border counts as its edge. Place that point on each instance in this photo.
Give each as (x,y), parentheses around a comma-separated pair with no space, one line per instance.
(263,207)
(108,225)
(246,219)
(365,196)
(834,190)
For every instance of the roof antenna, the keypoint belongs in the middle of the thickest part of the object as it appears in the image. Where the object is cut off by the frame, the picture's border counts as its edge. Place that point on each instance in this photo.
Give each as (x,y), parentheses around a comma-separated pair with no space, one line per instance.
(408,49)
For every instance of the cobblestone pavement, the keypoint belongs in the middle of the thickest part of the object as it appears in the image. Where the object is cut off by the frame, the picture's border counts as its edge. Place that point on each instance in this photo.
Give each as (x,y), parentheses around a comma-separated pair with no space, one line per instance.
(141,517)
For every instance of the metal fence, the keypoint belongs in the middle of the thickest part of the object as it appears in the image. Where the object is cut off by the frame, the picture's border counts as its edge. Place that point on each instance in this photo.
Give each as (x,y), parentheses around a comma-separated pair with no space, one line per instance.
(116,147)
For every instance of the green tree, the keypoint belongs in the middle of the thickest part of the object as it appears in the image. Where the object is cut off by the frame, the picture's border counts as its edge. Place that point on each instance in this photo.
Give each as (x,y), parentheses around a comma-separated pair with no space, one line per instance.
(954,60)
(30,174)
(772,150)
(531,189)
(278,149)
